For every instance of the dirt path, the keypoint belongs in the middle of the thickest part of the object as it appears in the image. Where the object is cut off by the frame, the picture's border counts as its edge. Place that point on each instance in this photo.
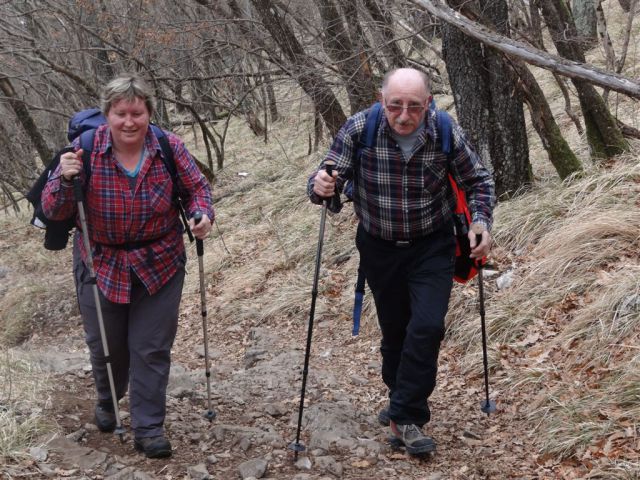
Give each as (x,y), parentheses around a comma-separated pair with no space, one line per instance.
(256,381)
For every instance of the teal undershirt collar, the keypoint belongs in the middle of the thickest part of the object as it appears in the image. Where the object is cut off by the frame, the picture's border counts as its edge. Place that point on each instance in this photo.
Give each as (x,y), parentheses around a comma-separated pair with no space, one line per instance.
(134,173)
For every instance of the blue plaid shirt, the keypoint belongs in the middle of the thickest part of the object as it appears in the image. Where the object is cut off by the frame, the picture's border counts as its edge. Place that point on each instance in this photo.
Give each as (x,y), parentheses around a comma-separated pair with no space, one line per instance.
(402,199)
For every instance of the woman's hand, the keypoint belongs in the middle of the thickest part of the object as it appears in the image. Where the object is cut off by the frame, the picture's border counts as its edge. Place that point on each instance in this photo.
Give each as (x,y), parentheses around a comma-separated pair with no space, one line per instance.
(71,164)
(202,228)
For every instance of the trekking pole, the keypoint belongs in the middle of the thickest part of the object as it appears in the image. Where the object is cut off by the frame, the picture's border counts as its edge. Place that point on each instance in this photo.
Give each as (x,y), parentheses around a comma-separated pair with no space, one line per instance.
(297,446)
(487,406)
(77,191)
(210,414)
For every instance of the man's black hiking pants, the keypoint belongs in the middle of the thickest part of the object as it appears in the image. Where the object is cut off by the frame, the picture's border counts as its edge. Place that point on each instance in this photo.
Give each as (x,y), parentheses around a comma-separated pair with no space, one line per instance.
(411,284)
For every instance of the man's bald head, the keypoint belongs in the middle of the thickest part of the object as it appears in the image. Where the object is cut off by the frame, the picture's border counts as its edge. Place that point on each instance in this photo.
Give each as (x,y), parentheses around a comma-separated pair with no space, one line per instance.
(404,75)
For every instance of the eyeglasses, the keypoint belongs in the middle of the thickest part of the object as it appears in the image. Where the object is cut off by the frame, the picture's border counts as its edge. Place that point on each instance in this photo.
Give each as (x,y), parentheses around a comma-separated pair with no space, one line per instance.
(411,109)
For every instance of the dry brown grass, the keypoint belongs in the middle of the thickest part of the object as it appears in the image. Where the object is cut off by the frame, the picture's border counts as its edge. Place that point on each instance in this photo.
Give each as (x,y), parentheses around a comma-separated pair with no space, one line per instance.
(572,317)
(23,395)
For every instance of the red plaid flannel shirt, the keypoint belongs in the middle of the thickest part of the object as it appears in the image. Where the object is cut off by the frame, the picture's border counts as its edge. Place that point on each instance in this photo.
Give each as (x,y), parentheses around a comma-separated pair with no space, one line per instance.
(116,216)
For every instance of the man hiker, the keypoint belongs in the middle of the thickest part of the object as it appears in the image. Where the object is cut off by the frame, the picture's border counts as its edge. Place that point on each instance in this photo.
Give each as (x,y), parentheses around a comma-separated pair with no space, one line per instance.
(404,203)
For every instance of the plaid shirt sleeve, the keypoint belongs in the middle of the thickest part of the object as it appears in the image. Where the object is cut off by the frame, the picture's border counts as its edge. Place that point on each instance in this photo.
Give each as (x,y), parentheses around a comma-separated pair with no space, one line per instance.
(58,201)
(341,152)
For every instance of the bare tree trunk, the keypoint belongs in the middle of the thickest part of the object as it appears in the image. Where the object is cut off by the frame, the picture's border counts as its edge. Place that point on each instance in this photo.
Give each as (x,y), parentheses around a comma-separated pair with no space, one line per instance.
(337,44)
(584,13)
(603,134)
(303,70)
(536,25)
(101,64)
(385,25)
(560,154)
(317,130)
(366,55)
(272,105)
(488,108)
(605,39)
(627,36)
(26,121)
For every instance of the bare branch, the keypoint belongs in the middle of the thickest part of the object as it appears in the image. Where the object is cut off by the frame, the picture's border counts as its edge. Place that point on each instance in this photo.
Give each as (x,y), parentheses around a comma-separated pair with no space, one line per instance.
(531,55)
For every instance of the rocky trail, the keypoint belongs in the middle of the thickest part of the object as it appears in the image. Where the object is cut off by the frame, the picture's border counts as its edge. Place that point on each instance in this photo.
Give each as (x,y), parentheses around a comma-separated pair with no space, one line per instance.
(256,379)
(258,296)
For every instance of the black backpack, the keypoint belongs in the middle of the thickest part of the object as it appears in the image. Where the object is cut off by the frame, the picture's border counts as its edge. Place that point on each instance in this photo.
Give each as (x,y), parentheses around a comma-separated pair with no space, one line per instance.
(84,125)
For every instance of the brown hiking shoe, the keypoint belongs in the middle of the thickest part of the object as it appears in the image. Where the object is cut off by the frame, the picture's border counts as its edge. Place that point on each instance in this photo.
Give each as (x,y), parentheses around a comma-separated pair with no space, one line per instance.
(413,439)
(153,447)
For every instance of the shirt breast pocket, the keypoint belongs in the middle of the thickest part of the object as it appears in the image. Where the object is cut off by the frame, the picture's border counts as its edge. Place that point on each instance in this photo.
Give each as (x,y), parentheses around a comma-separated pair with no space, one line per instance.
(160,196)
(434,174)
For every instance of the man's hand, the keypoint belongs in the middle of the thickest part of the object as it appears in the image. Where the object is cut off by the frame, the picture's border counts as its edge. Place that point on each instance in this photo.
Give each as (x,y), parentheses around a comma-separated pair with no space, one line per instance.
(479,250)
(324,185)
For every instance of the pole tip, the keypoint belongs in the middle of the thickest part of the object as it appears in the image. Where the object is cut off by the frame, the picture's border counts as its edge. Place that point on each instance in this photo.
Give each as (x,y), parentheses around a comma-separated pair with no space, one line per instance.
(120,432)
(488,407)
(297,447)
(210,415)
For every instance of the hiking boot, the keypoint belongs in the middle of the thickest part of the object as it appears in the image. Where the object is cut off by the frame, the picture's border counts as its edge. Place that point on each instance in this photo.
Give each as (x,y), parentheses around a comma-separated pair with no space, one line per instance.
(105,417)
(416,442)
(383,417)
(153,447)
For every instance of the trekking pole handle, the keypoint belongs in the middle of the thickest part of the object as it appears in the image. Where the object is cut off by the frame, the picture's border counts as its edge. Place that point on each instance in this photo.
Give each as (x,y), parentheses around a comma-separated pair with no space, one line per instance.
(477,229)
(329,166)
(197,217)
(77,189)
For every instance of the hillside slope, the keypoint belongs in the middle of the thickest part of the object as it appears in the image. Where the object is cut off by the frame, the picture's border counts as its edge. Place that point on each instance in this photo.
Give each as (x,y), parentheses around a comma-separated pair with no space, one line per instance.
(563,341)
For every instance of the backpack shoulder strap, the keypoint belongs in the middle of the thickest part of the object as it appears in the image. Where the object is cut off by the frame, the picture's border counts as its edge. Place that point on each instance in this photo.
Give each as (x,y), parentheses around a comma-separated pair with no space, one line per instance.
(170,164)
(371,127)
(86,144)
(167,152)
(370,132)
(445,131)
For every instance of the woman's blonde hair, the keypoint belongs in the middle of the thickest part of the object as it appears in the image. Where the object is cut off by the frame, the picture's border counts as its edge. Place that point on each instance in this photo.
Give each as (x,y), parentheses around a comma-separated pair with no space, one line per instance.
(127,86)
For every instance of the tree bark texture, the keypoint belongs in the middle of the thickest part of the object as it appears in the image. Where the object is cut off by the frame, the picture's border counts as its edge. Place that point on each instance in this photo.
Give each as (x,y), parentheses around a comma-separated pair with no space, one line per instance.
(584,13)
(302,69)
(625,4)
(337,45)
(603,134)
(489,107)
(560,154)
(26,120)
